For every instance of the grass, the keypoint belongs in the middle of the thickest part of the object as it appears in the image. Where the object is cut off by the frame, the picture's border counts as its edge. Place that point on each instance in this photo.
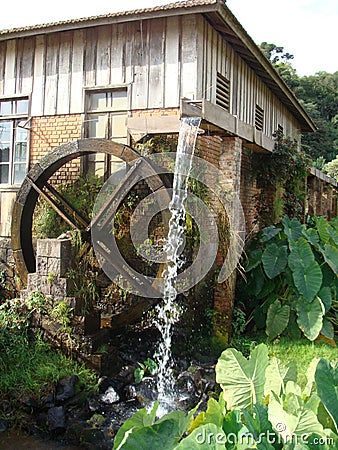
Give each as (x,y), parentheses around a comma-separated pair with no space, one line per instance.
(29,367)
(299,352)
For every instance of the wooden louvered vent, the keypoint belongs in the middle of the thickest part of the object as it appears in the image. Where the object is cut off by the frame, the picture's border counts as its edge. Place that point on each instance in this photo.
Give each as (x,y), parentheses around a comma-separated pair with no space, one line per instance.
(223,91)
(259,118)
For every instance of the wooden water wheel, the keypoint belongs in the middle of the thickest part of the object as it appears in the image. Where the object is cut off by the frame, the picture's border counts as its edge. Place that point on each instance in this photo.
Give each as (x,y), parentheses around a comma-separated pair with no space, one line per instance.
(37,183)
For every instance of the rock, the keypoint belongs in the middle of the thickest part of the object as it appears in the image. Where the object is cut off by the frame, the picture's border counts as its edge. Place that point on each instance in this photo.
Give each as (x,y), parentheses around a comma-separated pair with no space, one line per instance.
(66,388)
(91,436)
(110,396)
(146,391)
(3,425)
(56,419)
(130,392)
(93,404)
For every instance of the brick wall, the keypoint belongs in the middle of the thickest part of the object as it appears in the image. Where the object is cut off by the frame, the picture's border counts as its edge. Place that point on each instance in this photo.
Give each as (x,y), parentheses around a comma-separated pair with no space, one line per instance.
(50,132)
(248,191)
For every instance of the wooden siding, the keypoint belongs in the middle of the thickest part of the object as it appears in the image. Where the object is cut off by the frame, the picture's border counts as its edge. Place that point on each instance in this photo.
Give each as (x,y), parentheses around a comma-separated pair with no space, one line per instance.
(246,88)
(161,61)
(157,58)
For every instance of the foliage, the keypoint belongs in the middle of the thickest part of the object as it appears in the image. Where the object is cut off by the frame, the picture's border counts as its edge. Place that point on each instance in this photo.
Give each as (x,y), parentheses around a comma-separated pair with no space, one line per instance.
(261,406)
(319,95)
(149,366)
(331,168)
(286,168)
(29,366)
(292,278)
(81,195)
(84,272)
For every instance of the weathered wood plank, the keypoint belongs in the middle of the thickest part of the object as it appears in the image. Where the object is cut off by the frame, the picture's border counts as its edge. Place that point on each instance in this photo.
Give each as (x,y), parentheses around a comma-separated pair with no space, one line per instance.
(77,74)
(172,70)
(64,79)
(2,66)
(117,71)
(189,58)
(51,83)
(37,100)
(26,66)
(10,68)
(156,64)
(140,85)
(104,46)
(90,57)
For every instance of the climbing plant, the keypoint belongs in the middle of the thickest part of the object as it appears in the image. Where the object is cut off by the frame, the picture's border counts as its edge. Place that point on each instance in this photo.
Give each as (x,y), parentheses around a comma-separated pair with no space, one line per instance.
(284,172)
(291,278)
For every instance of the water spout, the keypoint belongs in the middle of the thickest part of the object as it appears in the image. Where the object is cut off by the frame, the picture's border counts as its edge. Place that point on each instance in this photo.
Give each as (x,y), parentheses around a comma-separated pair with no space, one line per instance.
(167,311)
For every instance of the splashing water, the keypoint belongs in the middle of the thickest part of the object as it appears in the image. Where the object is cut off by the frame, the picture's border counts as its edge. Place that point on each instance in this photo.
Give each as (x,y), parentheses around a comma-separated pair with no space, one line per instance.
(167,311)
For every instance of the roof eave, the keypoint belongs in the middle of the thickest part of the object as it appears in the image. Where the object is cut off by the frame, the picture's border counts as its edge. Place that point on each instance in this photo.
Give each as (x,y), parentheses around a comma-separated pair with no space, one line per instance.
(288,97)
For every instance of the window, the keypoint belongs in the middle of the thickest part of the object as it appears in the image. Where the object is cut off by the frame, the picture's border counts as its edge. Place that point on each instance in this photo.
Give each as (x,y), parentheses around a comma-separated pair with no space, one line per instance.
(222,91)
(106,117)
(259,118)
(13,140)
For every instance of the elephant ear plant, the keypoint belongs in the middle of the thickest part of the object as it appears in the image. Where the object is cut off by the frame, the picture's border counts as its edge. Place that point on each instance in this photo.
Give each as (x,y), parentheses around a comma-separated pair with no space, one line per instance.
(291,277)
(261,406)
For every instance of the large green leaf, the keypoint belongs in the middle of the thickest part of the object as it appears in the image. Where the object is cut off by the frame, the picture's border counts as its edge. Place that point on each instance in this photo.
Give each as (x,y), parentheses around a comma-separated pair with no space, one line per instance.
(301,253)
(326,377)
(274,259)
(292,228)
(164,435)
(306,272)
(254,260)
(288,423)
(322,227)
(331,257)
(206,437)
(241,379)
(277,319)
(310,317)
(268,233)
(277,375)
(327,329)
(259,426)
(325,295)
(140,419)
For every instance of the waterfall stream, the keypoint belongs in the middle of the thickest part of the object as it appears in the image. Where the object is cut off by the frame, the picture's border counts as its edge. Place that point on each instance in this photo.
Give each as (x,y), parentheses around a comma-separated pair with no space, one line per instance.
(167,311)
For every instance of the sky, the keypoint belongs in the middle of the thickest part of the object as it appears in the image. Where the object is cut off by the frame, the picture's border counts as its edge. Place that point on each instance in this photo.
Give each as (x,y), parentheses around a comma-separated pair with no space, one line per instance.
(308,29)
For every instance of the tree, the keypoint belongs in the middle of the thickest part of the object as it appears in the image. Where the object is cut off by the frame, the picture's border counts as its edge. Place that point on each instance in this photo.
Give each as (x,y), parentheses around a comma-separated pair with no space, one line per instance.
(331,168)
(318,94)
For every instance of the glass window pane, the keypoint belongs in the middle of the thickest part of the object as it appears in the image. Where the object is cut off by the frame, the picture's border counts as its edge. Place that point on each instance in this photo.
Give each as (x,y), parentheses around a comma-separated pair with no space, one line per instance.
(4,173)
(118,126)
(96,168)
(20,152)
(22,106)
(97,101)
(21,133)
(19,173)
(4,153)
(97,125)
(6,107)
(5,132)
(119,99)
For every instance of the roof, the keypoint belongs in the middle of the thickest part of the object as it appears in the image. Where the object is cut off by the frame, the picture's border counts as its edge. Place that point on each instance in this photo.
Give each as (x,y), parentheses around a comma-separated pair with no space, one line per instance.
(222,19)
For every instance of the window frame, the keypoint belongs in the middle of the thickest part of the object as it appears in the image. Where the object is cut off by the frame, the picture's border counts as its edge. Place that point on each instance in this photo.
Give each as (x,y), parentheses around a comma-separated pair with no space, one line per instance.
(15,118)
(109,112)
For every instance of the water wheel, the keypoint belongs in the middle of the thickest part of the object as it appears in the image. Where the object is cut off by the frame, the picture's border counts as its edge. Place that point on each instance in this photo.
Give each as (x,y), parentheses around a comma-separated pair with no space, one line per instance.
(37,183)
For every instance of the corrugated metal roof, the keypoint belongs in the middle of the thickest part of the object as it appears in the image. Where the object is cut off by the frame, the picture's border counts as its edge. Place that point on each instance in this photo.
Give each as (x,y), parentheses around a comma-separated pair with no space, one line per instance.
(169,6)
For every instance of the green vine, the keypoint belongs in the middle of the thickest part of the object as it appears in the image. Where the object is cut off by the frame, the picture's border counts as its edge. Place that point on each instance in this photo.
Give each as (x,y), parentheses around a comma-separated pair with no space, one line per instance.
(283,171)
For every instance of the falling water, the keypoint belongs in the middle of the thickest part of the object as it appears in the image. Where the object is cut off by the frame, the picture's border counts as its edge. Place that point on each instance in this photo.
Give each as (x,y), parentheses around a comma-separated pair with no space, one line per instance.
(167,312)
